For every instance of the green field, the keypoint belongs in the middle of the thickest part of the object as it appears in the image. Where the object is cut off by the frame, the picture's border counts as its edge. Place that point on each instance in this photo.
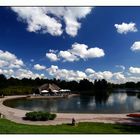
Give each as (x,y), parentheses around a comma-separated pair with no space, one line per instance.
(8,127)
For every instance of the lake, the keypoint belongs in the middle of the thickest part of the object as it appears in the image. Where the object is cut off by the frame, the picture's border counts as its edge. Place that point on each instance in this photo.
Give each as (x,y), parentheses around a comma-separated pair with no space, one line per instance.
(117,102)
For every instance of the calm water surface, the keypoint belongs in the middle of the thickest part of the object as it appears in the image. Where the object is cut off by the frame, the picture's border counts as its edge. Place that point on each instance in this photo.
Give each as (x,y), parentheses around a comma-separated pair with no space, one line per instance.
(114,103)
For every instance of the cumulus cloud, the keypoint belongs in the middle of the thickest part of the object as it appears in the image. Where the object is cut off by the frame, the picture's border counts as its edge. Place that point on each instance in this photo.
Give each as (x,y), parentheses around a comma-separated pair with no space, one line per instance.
(3,63)
(21,73)
(72,16)
(77,52)
(134,70)
(89,71)
(107,75)
(25,73)
(52,56)
(82,51)
(135,46)
(100,75)
(38,20)
(39,67)
(90,74)
(52,69)
(116,77)
(124,28)
(9,60)
(119,76)
(65,74)
(7,72)
(68,56)
(133,78)
(11,66)
(49,19)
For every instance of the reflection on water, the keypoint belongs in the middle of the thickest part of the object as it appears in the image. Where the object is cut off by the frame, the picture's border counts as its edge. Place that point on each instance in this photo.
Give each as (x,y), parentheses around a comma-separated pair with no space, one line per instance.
(102,102)
(101,97)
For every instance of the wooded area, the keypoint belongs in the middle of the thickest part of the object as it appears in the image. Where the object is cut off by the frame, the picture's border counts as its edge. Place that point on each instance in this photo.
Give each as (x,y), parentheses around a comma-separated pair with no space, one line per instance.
(14,86)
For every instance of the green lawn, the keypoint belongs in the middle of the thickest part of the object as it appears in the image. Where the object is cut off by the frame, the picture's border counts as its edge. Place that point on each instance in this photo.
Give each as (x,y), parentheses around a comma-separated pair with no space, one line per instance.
(8,127)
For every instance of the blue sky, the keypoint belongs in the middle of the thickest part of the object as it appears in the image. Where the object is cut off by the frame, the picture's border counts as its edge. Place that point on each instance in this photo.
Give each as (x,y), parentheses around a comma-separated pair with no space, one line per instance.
(70,43)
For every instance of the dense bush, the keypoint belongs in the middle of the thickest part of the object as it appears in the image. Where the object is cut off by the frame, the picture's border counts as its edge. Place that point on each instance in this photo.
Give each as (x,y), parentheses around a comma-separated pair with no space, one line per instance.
(52,116)
(16,90)
(39,116)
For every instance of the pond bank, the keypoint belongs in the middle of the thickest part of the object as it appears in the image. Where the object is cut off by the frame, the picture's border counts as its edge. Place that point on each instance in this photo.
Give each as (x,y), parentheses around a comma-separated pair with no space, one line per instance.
(16,115)
(51,97)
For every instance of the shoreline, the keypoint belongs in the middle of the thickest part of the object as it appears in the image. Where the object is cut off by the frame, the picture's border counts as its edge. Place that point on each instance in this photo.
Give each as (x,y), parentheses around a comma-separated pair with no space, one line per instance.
(51,97)
(16,115)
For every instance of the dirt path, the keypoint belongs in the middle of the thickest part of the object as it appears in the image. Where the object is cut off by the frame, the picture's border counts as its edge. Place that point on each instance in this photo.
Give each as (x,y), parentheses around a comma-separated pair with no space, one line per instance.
(16,115)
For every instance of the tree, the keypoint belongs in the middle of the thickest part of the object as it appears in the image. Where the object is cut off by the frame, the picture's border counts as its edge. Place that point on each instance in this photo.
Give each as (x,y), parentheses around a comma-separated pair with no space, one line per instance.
(3,81)
(85,85)
(101,84)
(130,85)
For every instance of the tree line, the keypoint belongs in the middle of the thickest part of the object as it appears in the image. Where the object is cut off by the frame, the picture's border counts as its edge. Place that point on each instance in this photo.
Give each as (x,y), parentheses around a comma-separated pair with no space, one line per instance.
(27,86)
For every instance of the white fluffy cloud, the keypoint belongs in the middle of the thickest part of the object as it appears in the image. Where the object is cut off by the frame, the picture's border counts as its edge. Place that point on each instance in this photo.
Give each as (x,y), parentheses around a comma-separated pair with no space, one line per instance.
(119,76)
(135,46)
(124,28)
(65,74)
(52,69)
(39,67)
(106,75)
(90,74)
(3,63)
(101,75)
(52,56)
(25,73)
(89,71)
(133,78)
(9,60)
(72,15)
(134,70)
(77,51)
(11,66)
(82,51)
(38,20)
(49,19)
(21,73)
(68,56)
(7,72)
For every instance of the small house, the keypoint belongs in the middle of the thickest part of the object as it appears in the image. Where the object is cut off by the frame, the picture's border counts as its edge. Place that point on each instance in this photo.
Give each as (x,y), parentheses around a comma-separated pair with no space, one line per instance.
(49,89)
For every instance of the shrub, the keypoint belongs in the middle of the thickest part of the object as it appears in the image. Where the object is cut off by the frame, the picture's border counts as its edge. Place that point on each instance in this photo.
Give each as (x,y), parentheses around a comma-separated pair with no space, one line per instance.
(39,116)
(52,116)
